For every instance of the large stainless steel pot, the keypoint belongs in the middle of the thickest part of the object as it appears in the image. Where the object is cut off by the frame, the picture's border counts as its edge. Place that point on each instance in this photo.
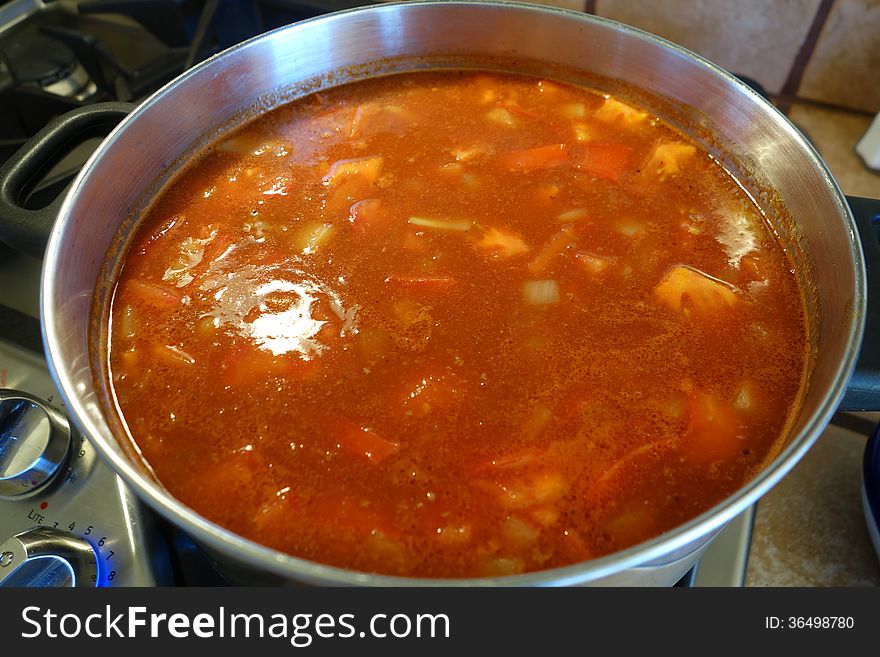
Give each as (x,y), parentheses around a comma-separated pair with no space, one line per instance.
(144,149)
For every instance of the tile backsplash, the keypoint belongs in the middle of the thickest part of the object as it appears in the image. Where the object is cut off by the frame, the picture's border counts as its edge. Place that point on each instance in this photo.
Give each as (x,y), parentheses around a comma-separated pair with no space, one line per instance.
(825,51)
(757,38)
(845,66)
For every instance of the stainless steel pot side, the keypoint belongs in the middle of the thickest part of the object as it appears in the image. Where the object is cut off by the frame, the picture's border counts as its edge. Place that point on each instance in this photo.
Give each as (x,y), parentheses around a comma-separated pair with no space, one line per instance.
(159,132)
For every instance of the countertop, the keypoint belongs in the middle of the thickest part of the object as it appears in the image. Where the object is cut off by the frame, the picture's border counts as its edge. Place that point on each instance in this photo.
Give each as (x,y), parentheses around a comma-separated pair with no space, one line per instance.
(810,529)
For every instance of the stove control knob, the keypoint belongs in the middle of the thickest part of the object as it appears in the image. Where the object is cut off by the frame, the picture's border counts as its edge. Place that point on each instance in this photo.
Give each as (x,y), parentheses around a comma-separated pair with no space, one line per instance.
(34,442)
(47,557)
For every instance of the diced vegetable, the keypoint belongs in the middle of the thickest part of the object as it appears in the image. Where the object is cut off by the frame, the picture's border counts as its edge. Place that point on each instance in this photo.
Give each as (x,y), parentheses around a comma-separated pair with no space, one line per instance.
(366,443)
(613,110)
(500,566)
(630,227)
(501,116)
(248,366)
(312,236)
(584,132)
(572,215)
(544,515)
(633,524)
(537,421)
(173,355)
(667,159)
(129,363)
(368,215)
(367,167)
(374,342)
(206,327)
(713,430)
(608,161)
(539,488)
(462,154)
(125,323)
(158,296)
(689,290)
(573,110)
(502,244)
(242,144)
(539,293)
(541,157)
(547,192)
(372,118)
(552,249)
(744,399)
(459,225)
(593,263)
(518,533)
(409,313)
(470,181)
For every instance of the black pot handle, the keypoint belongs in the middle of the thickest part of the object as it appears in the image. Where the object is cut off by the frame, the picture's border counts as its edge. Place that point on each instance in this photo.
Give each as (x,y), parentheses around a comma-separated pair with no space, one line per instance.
(863,390)
(28,230)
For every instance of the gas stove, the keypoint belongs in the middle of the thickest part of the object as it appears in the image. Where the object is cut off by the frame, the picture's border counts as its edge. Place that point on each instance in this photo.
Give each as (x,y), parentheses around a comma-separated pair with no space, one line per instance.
(70,520)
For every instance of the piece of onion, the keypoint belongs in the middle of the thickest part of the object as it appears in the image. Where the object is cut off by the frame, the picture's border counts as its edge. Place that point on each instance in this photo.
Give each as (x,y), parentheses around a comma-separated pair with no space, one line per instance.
(460,225)
(572,215)
(540,293)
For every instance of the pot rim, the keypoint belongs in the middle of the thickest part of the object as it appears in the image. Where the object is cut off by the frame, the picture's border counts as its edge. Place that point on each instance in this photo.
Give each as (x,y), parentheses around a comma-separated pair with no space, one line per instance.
(285,565)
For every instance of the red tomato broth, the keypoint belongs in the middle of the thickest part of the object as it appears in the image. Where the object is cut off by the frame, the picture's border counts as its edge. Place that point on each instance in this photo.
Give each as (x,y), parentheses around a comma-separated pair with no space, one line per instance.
(455,324)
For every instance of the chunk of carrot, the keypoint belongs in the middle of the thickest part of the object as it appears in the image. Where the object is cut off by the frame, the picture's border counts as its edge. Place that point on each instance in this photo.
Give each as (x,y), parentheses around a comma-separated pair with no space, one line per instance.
(713,429)
(248,366)
(608,161)
(365,442)
(155,295)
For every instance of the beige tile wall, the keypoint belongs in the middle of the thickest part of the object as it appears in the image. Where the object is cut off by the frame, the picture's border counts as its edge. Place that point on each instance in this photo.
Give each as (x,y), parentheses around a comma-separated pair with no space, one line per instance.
(758,38)
(845,66)
(840,64)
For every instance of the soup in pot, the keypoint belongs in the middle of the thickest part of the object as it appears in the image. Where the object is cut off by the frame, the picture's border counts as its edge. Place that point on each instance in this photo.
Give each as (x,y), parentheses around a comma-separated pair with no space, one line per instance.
(455,324)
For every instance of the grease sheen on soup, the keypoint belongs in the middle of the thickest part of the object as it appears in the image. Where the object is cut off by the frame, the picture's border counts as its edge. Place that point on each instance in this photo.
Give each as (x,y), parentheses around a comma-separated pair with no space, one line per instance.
(455,324)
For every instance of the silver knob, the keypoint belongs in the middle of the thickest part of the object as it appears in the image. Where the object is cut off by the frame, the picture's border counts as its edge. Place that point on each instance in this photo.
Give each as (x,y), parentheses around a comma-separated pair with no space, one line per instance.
(34,441)
(44,557)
